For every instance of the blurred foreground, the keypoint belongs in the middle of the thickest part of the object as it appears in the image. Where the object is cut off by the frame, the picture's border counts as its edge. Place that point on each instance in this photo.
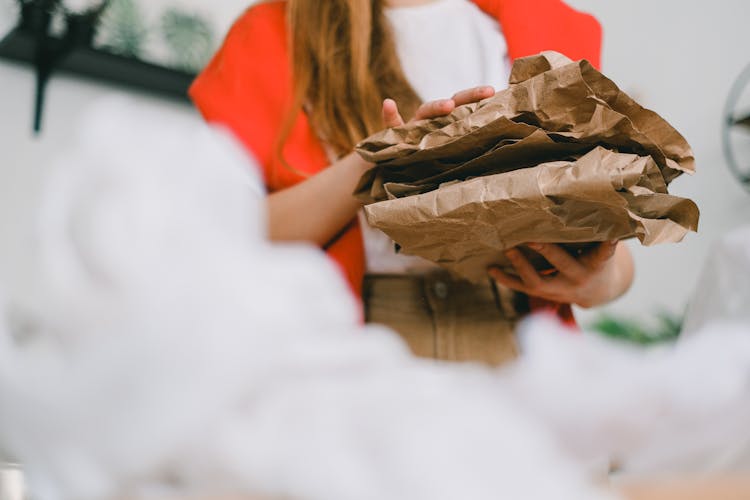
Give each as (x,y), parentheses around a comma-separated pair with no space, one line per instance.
(153,343)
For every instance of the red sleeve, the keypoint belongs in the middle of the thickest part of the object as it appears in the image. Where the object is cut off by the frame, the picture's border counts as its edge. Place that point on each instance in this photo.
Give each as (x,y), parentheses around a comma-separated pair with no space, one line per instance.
(531,27)
(247,87)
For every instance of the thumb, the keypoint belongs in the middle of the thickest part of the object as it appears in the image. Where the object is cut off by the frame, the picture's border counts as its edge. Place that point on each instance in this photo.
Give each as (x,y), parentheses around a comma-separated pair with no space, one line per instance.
(391,116)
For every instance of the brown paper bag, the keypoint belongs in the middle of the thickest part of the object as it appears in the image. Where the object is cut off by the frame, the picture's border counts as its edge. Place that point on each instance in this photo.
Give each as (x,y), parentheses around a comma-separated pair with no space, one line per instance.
(604,195)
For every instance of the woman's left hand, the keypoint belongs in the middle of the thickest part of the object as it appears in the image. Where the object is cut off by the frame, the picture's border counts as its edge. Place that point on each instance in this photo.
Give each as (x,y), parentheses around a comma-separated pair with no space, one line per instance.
(434,109)
(598,276)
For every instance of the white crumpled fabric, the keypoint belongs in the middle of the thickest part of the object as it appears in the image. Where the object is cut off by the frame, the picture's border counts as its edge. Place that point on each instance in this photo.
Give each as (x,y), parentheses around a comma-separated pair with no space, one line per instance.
(153,342)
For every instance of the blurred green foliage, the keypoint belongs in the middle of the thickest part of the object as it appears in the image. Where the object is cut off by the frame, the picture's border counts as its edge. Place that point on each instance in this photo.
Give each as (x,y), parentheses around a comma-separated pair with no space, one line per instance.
(666,328)
(189,39)
(122,28)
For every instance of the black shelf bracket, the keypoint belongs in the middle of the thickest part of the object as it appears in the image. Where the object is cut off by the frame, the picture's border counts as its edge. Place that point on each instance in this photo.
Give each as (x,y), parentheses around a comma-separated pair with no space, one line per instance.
(73,54)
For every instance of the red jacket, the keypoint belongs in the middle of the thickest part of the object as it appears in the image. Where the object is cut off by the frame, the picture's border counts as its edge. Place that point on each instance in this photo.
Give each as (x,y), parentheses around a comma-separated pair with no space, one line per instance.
(247,86)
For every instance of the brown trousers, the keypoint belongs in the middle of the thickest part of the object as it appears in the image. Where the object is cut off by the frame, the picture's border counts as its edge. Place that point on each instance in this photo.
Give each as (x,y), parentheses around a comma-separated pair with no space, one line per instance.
(445,318)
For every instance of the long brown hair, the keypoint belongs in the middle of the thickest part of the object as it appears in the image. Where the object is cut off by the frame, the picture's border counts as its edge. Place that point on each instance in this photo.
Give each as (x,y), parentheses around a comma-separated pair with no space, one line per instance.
(344,64)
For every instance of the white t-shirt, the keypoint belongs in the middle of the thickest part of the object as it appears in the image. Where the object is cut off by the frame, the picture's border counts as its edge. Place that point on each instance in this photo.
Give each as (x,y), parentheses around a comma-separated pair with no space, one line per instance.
(444,46)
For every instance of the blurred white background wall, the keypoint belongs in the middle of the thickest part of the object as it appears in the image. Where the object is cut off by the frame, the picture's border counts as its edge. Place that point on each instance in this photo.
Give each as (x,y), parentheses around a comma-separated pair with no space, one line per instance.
(678,57)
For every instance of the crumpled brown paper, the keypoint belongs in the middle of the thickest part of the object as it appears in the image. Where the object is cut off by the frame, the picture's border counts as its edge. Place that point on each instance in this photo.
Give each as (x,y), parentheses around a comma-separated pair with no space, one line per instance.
(561,156)
(465,226)
(571,103)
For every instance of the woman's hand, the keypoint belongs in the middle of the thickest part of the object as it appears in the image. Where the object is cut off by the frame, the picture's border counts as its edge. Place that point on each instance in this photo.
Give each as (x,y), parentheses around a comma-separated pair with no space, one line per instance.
(320,207)
(598,276)
(434,109)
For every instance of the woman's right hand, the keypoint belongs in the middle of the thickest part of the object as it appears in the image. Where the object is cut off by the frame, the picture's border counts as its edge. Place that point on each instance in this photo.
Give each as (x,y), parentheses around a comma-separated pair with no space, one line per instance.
(318,208)
(434,109)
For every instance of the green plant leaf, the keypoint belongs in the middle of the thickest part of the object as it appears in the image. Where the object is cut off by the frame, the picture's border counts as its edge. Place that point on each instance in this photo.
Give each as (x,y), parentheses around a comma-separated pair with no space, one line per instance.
(189,39)
(667,329)
(122,28)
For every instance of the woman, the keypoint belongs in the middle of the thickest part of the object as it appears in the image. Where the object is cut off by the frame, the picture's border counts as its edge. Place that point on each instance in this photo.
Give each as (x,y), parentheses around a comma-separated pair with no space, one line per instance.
(301,82)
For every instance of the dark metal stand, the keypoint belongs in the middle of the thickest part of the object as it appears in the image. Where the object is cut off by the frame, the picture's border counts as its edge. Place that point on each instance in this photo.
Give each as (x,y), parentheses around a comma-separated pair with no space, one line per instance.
(31,43)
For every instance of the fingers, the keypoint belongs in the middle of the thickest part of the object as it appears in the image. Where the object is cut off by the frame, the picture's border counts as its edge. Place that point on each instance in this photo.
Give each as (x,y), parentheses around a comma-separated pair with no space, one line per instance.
(507,280)
(523,267)
(598,257)
(473,95)
(434,109)
(583,280)
(391,116)
(565,263)
(529,281)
